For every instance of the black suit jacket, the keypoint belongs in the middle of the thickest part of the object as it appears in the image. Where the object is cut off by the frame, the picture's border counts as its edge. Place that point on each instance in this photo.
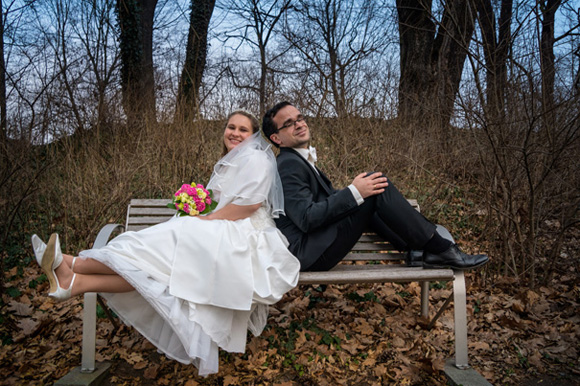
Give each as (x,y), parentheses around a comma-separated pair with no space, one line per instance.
(313,207)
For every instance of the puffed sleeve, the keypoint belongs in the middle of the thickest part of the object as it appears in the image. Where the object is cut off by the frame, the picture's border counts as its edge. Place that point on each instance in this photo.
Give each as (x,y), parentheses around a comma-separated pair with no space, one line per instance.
(246,181)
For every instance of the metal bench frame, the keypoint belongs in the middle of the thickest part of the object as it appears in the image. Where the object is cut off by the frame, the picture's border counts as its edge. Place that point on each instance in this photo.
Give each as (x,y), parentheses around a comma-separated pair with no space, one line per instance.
(143,213)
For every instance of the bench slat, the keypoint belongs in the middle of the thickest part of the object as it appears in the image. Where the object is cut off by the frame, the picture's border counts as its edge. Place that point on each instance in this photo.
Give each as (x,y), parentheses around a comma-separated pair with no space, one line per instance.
(352,274)
(372,247)
(374,256)
(135,228)
(149,211)
(371,237)
(148,220)
(150,202)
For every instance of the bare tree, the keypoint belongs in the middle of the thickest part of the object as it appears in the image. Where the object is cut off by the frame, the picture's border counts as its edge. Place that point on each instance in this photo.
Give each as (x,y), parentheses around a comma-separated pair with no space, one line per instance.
(527,171)
(3,109)
(496,44)
(334,37)
(136,43)
(195,59)
(60,42)
(260,18)
(95,32)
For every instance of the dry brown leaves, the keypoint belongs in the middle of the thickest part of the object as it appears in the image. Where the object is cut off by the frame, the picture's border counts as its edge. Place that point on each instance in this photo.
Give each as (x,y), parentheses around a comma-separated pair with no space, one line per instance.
(343,335)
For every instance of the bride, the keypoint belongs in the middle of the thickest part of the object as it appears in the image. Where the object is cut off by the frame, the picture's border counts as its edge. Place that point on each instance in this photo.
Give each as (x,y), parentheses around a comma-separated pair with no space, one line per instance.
(192,285)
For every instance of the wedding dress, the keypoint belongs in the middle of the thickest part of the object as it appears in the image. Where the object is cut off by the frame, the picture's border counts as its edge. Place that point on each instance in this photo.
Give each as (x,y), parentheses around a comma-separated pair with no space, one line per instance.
(201,284)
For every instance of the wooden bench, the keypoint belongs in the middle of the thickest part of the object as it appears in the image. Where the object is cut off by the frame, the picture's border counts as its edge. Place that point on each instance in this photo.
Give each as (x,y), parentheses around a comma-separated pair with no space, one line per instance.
(386,265)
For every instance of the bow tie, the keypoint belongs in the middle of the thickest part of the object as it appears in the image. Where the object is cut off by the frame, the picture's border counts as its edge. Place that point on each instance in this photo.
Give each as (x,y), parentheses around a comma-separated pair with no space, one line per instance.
(312,154)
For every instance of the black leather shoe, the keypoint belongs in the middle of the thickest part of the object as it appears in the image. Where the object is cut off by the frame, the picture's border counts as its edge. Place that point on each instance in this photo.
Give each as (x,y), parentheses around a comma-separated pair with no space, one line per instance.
(453,258)
(414,258)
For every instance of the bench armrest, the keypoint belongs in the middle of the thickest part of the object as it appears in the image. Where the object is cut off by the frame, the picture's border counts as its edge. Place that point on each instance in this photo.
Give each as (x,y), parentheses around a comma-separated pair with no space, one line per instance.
(105,233)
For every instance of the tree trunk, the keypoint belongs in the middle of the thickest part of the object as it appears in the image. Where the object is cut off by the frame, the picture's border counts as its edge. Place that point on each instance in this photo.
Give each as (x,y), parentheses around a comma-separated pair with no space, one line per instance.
(449,54)
(136,44)
(195,58)
(3,109)
(577,78)
(547,59)
(416,31)
(431,66)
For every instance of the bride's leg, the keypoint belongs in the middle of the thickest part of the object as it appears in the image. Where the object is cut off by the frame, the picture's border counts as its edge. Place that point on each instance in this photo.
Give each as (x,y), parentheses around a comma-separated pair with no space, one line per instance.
(92,282)
(100,283)
(67,259)
(89,266)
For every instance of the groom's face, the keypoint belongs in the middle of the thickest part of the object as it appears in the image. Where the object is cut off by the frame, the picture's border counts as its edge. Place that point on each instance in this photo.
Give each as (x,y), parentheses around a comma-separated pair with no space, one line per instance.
(292,128)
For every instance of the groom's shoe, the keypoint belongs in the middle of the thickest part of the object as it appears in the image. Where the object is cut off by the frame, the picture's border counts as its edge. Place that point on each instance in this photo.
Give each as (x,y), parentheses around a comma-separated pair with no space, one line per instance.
(414,258)
(453,258)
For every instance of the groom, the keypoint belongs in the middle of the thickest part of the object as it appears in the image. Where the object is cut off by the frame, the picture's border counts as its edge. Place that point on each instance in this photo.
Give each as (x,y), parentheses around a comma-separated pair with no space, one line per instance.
(322,224)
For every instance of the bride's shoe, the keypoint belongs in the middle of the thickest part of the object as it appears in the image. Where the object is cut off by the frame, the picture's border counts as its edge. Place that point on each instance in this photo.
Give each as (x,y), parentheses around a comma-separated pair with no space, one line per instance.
(62,294)
(39,248)
(51,259)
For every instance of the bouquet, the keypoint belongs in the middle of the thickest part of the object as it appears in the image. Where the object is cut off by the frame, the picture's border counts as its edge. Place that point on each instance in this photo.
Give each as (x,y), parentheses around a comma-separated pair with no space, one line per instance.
(192,200)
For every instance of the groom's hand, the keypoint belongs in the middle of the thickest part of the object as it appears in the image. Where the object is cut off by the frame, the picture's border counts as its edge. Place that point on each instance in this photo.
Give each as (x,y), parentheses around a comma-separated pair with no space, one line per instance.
(370,184)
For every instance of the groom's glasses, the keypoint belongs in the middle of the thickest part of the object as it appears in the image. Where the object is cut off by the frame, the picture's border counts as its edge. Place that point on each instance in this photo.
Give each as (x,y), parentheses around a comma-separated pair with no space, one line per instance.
(292,124)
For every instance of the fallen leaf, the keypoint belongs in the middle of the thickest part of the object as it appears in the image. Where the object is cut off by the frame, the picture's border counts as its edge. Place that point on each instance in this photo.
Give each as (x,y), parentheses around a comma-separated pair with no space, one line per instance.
(20,309)
(398,342)
(28,326)
(151,372)
(140,365)
(231,380)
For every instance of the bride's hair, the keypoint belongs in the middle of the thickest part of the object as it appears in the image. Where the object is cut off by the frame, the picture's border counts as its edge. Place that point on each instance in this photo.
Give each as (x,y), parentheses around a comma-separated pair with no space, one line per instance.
(247,114)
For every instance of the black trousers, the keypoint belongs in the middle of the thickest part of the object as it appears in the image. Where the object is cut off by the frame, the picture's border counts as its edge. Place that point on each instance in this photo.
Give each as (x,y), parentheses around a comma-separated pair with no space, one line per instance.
(390,215)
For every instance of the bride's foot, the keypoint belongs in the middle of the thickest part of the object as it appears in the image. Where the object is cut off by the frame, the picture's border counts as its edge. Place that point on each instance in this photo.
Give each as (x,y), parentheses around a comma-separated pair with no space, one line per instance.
(56,272)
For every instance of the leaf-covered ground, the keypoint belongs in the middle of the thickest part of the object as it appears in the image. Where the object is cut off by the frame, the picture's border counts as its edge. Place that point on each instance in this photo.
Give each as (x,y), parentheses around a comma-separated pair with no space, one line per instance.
(337,335)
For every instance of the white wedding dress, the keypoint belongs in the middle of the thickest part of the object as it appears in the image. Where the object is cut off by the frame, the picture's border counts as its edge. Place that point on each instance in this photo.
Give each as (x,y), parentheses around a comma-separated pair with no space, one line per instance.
(201,284)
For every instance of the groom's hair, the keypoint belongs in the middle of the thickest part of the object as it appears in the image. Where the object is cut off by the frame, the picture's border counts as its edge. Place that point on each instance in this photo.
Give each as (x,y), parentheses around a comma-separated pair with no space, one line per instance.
(268,125)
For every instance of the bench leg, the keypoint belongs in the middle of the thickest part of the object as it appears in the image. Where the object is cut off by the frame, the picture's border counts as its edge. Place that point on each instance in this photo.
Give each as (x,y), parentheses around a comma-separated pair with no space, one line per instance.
(460,306)
(89,332)
(425,299)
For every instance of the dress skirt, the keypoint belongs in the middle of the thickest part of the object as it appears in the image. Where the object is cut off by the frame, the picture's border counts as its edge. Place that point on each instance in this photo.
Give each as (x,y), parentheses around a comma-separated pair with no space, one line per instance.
(200,284)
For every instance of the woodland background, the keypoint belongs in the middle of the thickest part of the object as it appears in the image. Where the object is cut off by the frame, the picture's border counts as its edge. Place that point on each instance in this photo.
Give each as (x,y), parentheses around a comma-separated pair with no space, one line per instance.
(472,107)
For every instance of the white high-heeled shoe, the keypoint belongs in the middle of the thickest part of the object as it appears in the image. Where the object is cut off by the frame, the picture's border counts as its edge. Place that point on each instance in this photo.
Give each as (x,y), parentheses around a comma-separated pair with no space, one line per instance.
(39,248)
(51,259)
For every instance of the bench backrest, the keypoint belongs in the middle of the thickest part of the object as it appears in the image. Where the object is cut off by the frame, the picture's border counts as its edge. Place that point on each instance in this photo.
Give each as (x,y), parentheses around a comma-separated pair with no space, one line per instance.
(143,213)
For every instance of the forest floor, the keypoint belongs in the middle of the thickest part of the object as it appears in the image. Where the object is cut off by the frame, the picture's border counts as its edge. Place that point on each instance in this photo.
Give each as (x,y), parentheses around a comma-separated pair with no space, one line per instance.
(337,335)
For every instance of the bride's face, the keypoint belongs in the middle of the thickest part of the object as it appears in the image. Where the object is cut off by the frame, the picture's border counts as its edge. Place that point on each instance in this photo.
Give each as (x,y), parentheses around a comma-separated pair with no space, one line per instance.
(239,127)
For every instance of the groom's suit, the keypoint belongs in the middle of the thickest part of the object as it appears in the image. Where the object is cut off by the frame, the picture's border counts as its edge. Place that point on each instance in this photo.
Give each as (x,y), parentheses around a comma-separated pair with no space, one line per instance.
(323,224)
